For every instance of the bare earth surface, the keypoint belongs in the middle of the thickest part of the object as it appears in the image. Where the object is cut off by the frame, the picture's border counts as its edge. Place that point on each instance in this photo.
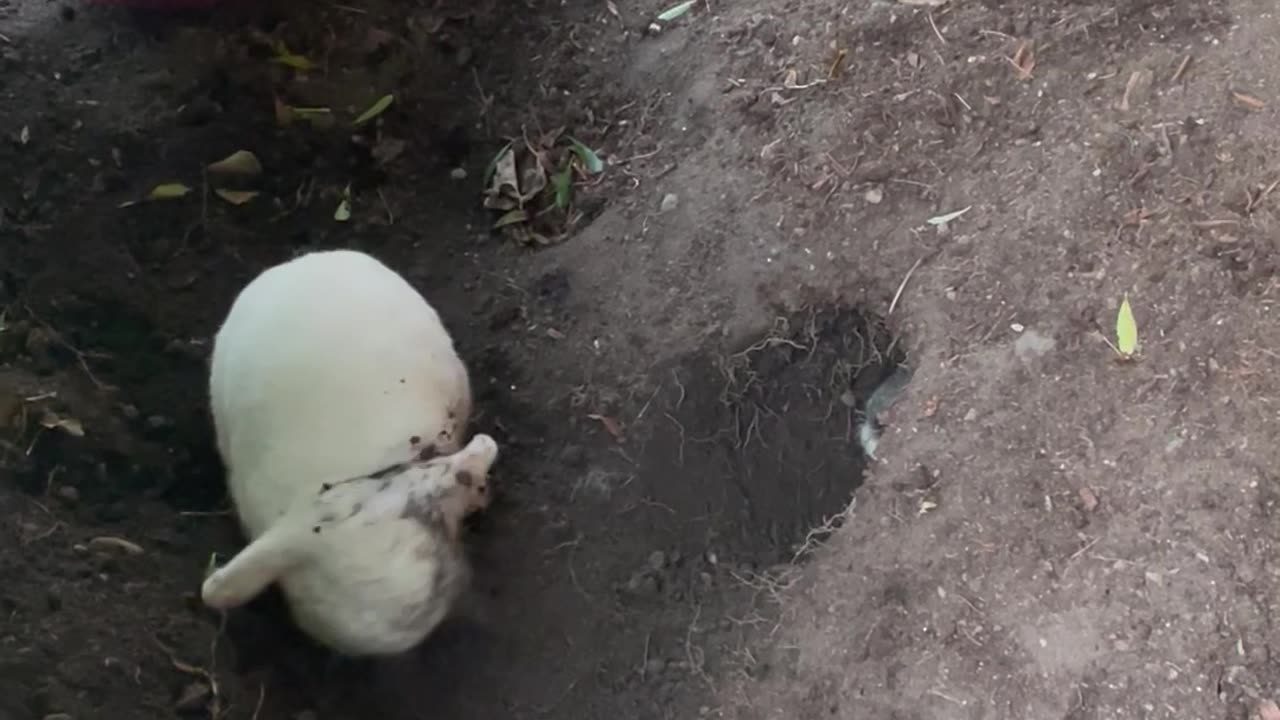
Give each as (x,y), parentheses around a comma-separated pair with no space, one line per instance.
(677,381)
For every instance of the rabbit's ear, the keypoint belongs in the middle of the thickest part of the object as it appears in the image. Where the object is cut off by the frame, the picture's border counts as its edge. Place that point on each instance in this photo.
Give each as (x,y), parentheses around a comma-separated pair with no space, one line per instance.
(252,569)
(475,459)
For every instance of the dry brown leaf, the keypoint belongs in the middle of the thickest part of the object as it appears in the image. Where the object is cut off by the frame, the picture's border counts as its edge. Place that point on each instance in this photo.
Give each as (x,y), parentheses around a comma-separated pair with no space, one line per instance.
(70,426)
(284,114)
(376,39)
(1129,87)
(108,542)
(610,425)
(1088,499)
(1135,217)
(235,197)
(1248,101)
(1024,59)
(240,162)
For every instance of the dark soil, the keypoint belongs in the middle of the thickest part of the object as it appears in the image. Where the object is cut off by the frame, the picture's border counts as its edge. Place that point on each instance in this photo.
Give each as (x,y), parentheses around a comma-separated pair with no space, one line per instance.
(677,385)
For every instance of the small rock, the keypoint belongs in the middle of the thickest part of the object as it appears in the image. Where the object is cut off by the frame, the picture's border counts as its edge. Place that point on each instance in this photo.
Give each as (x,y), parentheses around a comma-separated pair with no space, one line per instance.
(654,667)
(848,399)
(69,494)
(670,202)
(643,585)
(573,456)
(971,415)
(458,173)
(874,195)
(463,58)
(158,422)
(39,344)
(1088,499)
(657,560)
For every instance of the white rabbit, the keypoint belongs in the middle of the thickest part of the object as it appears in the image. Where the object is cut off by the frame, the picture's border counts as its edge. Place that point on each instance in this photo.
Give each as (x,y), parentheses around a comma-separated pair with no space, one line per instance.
(371,564)
(330,366)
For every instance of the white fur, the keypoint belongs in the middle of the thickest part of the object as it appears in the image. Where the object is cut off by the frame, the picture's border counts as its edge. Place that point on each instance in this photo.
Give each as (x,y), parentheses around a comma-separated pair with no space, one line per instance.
(325,368)
(370,565)
(881,398)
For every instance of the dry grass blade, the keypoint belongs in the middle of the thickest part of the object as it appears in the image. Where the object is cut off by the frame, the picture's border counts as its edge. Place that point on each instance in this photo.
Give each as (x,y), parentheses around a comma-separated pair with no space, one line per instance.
(1182,69)
(1248,101)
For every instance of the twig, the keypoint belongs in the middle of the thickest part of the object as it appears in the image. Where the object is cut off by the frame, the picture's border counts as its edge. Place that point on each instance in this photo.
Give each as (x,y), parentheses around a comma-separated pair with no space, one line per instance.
(902,286)
(934,25)
(1182,69)
(391,218)
(262,695)
(57,337)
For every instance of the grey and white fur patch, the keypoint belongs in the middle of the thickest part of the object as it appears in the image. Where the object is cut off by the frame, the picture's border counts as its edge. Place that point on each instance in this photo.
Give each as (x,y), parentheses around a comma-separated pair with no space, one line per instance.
(881,398)
(388,492)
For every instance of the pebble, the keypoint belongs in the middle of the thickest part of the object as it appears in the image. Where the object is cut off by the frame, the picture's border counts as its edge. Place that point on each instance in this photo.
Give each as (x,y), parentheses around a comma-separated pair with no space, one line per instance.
(573,456)
(643,585)
(69,494)
(458,173)
(654,667)
(657,560)
(670,202)
(39,344)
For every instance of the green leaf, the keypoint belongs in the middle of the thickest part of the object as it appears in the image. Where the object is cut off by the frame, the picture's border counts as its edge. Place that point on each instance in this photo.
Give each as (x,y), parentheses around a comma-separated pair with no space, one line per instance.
(510,218)
(588,156)
(1126,329)
(677,11)
(284,57)
(297,62)
(375,110)
(492,167)
(343,213)
(168,191)
(563,184)
(948,217)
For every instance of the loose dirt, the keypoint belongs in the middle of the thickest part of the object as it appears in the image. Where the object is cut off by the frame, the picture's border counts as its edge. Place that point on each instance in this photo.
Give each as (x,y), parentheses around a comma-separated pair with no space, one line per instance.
(683,527)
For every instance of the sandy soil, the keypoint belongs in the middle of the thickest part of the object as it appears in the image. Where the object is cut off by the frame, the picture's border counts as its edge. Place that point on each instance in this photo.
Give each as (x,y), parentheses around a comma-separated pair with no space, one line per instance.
(678,374)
